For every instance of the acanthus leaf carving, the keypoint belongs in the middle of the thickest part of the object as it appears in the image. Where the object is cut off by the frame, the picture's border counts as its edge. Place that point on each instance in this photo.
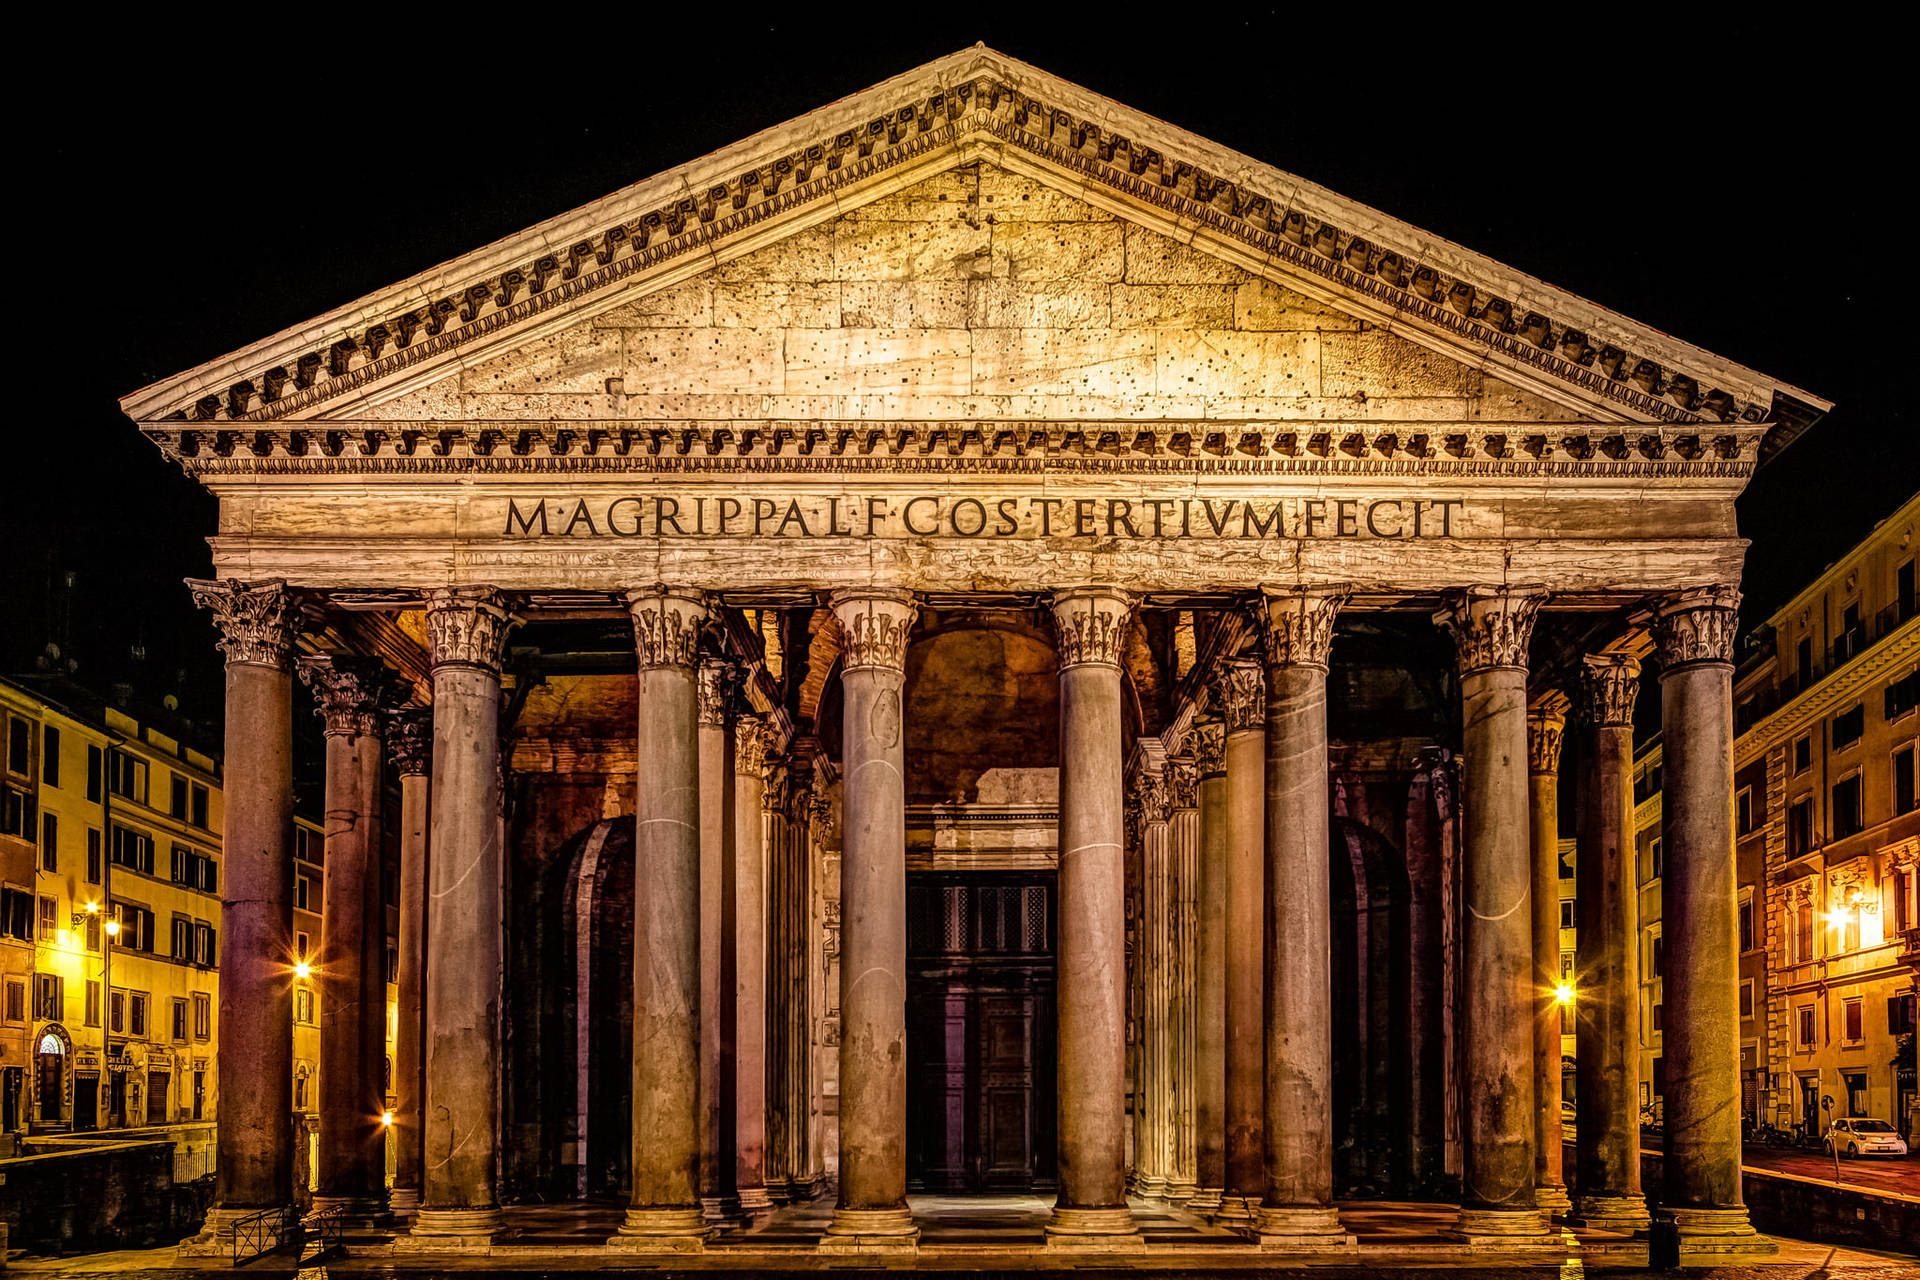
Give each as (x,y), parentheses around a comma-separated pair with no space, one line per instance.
(1182,783)
(1209,743)
(1696,626)
(752,739)
(351,691)
(410,741)
(1609,688)
(1546,729)
(1296,624)
(257,620)
(718,679)
(1090,625)
(666,625)
(1491,626)
(467,626)
(875,626)
(1239,693)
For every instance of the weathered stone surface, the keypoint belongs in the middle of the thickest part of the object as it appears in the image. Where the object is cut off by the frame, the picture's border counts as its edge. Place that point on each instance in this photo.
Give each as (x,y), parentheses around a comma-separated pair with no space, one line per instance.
(1060,251)
(1155,259)
(1377,363)
(776,305)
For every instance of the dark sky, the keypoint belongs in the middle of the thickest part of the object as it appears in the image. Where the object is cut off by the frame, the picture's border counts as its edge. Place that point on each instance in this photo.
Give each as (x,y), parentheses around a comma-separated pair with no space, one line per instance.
(220,184)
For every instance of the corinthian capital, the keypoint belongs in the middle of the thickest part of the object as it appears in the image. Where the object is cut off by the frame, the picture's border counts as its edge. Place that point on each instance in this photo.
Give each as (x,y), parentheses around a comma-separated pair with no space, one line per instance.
(666,625)
(1090,625)
(1609,686)
(350,691)
(467,627)
(1240,695)
(752,737)
(1697,626)
(1183,783)
(1208,742)
(1147,792)
(718,679)
(257,620)
(1546,728)
(1491,626)
(875,623)
(1297,624)
(410,741)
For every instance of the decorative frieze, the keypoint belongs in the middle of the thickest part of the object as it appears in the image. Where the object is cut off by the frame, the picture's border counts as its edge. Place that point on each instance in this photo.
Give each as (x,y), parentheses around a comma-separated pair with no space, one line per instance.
(1691,627)
(1090,625)
(351,691)
(718,680)
(1491,626)
(666,625)
(1239,694)
(410,741)
(467,626)
(875,625)
(1296,624)
(1208,742)
(257,620)
(1609,687)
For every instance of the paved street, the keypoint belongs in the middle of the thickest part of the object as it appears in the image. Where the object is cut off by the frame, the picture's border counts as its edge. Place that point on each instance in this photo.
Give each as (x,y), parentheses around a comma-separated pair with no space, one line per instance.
(1879,1173)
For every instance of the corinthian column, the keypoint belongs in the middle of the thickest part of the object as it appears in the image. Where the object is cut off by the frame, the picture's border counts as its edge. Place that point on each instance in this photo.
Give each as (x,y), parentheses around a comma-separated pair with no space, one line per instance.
(1091,624)
(872,1211)
(466,633)
(1210,971)
(1240,694)
(1545,725)
(1296,1212)
(1491,627)
(254,1165)
(352,971)
(750,854)
(1147,809)
(664,1214)
(1607,957)
(410,753)
(1183,863)
(1701,1208)
(718,1200)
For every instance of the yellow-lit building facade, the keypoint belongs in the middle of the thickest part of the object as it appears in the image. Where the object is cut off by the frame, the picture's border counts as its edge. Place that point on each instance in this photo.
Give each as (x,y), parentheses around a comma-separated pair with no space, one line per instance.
(1827,837)
(110,874)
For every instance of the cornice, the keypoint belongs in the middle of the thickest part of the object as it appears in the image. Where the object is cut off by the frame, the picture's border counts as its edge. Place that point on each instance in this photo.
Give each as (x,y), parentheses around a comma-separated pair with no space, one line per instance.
(1226,203)
(1849,681)
(1251,447)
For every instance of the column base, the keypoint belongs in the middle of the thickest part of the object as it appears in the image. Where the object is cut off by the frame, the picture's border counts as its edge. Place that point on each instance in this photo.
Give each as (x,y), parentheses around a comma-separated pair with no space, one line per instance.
(871,1231)
(721,1211)
(403,1202)
(1705,1237)
(1205,1202)
(451,1231)
(1110,1229)
(1552,1200)
(1149,1184)
(1182,1192)
(755,1202)
(1504,1230)
(778,1190)
(1301,1229)
(1236,1211)
(658,1230)
(1625,1214)
(215,1239)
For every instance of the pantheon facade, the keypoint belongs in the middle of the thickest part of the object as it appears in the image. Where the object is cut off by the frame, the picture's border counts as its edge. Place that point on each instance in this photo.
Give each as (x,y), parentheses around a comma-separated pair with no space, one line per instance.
(977,642)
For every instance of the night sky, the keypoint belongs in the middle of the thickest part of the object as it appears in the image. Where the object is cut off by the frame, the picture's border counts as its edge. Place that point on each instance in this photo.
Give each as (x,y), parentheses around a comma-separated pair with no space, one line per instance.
(199,190)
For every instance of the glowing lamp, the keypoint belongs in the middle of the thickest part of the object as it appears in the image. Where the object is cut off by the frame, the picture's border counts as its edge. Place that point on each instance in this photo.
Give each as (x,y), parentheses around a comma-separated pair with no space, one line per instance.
(386,1118)
(302,969)
(1563,993)
(113,928)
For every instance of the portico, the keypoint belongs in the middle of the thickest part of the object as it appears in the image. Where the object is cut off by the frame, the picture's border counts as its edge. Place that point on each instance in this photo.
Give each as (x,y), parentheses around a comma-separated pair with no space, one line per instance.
(978,494)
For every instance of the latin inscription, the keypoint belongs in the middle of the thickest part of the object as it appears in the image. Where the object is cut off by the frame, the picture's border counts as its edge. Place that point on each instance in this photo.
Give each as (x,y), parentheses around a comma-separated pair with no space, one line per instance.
(947,516)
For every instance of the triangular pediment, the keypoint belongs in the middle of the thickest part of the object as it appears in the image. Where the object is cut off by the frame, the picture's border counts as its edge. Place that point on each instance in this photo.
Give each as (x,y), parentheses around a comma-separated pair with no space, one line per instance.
(711,227)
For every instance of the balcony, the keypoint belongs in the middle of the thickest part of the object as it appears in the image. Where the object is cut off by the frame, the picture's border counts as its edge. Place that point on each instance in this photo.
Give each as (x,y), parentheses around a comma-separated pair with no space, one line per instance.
(1847,646)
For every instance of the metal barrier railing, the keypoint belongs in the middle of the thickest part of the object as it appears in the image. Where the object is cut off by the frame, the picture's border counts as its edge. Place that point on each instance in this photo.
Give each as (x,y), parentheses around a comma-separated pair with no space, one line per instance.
(268,1231)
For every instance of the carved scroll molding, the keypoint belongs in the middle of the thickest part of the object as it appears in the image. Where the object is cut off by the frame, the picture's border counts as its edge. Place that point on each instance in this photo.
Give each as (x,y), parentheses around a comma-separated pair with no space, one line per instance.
(257,620)
(1090,625)
(351,691)
(1546,729)
(1698,626)
(1296,624)
(1609,687)
(467,627)
(718,680)
(410,742)
(1208,741)
(666,625)
(1239,693)
(1491,626)
(876,623)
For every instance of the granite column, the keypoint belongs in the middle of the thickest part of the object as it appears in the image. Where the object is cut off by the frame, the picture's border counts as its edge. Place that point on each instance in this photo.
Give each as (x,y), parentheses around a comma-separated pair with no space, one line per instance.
(1183,866)
(718,1199)
(1240,695)
(1545,725)
(1210,971)
(751,823)
(410,753)
(1147,811)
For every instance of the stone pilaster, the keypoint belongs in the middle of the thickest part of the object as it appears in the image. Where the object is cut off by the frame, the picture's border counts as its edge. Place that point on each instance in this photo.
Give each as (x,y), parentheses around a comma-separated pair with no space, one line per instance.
(1491,628)
(664,1213)
(719,682)
(752,820)
(1239,693)
(466,638)
(1702,1215)
(1546,723)
(350,693)
(255,1160)
(1183,863)
(1607,956)
(1296,1212)
(410,756)
(1210,970)
(872,1212)
(1091,625)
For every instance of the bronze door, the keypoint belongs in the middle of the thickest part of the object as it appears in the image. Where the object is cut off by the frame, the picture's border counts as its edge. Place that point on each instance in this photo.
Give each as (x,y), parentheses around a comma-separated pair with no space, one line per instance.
(980,1034)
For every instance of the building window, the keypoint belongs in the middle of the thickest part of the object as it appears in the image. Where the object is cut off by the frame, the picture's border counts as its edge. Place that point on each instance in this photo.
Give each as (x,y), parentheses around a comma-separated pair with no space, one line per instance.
(1803,753)
(1805,1039)
(49,919)
(1743,812)
(19,813)
(50,756)
(127,776)
(19,746)
(1659,1017)
(1803,931)
(1849,725)
(1900,1015)
(1906,780)
(1656,858)
(203,948)
(182,949)
(303,1006)
(96,767)
(1846,807)
(393,963)
(1566,913)
(197,810)
(179,1019)
(16,1002)
(1658,957)
(202,1016)
(1803,661)
(49,842)
(1746,920)
(1856,1084)
(1800,827)
(16,914)
(303,893)
(136,927)
(1566,966)
(93,932)
(49,997)
(93,855)
(132,849)
(93,1004)
(117,1012)
(1851,1017)
(300,1089)
(301,945)
(1746,998)
(136,1013)
(1903,694)
(177,798)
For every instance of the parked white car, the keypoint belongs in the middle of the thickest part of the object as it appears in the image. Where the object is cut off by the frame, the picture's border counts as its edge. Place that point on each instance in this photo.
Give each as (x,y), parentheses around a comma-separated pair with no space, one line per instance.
(1865,1136)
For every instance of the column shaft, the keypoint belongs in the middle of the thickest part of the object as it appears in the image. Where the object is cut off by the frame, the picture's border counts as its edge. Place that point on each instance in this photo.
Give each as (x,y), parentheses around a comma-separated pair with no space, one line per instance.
(1210,974)
(750,858)
(410,744)
(1091,624)
(1544,728)
(1607,958)
(1183,854)
(1241,696)
(872,1211)
(718,1199)
(664,1211)
(1147,797)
